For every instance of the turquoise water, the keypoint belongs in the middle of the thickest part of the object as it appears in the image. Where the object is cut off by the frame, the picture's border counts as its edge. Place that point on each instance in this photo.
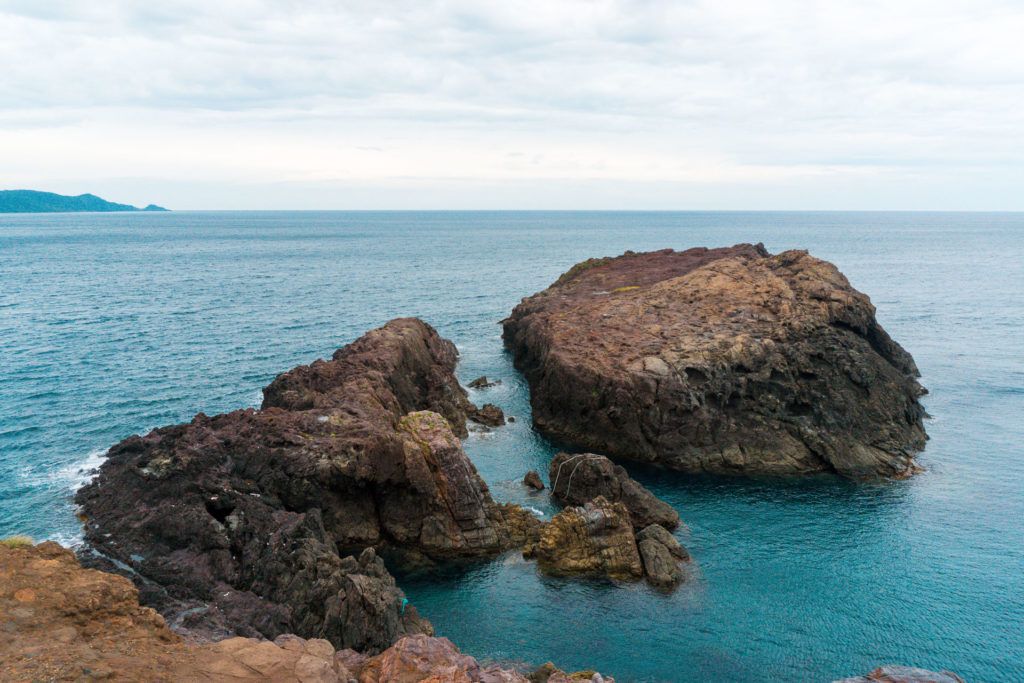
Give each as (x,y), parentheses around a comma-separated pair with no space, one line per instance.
(112,324)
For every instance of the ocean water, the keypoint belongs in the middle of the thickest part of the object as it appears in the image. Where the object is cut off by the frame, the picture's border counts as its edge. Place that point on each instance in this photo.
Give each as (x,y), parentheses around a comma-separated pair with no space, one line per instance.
(112,324)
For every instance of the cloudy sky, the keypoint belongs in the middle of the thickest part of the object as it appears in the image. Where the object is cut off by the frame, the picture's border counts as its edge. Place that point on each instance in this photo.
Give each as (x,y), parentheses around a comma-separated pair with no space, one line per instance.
(717,104)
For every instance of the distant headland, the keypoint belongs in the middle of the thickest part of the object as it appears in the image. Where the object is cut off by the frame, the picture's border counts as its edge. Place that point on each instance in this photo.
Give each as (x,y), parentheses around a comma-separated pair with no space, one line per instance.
(33,201)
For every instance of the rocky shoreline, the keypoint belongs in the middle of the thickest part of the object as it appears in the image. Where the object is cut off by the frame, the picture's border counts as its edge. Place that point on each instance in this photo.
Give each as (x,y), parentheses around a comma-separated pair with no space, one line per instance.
(260,543)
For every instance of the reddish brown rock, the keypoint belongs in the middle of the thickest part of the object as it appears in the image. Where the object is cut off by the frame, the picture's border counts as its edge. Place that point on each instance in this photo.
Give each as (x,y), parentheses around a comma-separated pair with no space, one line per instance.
(581,477)
(533,480)
(240,524)
(65,623)
(904,674)
(724,360)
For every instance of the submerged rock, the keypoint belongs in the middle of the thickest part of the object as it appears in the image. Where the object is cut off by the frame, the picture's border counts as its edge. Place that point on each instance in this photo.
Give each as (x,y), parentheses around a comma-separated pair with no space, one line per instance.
(904,674)
(533,481)
(724,360)
(240,524)
(593,540)
(578,478)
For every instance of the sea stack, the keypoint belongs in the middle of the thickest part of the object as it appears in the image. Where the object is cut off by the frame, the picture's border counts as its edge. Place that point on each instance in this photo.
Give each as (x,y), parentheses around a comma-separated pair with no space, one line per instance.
(729,360)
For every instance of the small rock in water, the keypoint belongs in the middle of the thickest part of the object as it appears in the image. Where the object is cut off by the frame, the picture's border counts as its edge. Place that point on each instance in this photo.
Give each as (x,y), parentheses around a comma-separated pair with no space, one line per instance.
(904,674)
(482,382)
(532,479)
(490,415)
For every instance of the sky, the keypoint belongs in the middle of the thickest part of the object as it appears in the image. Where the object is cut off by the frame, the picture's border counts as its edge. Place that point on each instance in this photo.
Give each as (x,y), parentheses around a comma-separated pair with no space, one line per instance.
(559,104)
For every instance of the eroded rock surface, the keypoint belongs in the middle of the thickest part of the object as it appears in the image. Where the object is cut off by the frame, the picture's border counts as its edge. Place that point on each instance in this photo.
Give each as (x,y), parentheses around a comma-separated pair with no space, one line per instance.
(240,524)
(595,539)
(721,360)
(662,556)
(581,477)
(65,623)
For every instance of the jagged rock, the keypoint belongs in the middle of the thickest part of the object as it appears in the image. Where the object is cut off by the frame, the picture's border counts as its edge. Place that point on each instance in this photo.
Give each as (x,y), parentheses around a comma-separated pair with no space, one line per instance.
(904,674)
(63,622)
(578,478)
(489,415)
(549,673)
(724,360)
(482,383)
(419,658)
(533,481)
(595,540)
(237,524)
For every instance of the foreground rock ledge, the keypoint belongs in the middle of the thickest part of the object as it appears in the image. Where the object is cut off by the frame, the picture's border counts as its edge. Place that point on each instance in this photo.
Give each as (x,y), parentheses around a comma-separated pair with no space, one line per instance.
(65,623)
(259,523)
(726,360)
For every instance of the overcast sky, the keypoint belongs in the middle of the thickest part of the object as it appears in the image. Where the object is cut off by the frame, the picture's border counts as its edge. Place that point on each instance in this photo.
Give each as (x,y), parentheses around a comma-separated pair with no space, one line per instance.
(724,104)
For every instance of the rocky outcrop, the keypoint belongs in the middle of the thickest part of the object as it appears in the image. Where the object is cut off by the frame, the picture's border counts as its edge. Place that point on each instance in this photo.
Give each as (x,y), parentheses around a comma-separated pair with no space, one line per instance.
(257,523)
(593,540)
(719,360)
(597,539)
(482,382)
(581,477)
(62,622)
(904,674)
(489,415)
(533,481)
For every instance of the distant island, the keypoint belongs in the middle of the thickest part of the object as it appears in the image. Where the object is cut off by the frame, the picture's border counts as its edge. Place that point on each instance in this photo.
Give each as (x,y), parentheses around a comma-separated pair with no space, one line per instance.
(32,201)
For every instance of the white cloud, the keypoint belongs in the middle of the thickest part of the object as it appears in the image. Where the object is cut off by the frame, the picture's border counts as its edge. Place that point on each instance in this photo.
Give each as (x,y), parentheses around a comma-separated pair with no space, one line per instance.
(255,103)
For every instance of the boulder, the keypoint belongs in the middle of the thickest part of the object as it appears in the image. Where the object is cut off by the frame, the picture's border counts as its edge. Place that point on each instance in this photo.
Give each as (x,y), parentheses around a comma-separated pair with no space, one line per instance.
(904,674)
(533,481)
(727,360)
(481,382)
(593,540)
(251,523)
(662,556)
(578,478)
(489,415)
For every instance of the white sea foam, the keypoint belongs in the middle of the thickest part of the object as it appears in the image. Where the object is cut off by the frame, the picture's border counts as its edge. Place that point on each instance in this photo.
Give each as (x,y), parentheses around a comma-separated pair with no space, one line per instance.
(534,511)
(78,474)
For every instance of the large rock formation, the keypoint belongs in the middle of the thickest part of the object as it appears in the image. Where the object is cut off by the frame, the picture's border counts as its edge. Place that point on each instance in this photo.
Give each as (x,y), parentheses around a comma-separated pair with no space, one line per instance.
(723,360)
(582,477)
(64,623)
(250,523)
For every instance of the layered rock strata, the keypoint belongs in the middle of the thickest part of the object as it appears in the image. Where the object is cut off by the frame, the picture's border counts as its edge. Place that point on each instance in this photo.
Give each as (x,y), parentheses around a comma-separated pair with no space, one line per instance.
(726,360)
(258,523)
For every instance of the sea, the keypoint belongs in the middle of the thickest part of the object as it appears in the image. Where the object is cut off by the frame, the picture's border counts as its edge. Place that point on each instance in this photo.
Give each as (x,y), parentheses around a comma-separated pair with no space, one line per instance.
(113,324)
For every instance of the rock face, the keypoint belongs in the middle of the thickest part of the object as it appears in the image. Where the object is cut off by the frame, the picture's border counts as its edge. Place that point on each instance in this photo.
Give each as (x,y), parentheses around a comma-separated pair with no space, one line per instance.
(251,523)
(593,540)
(719,360)
(578,478)
(904,674)
(62,622)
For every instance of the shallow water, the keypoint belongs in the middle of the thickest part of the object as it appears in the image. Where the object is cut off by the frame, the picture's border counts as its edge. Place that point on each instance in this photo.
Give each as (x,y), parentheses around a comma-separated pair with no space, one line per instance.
(111,324)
